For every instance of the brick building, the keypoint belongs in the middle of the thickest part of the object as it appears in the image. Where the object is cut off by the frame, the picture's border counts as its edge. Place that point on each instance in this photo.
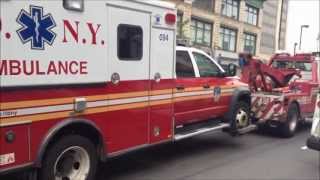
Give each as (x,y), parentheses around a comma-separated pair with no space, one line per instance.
(224,28)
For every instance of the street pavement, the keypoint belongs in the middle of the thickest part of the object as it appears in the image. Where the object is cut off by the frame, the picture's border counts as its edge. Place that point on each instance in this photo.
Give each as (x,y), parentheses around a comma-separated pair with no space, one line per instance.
(218,156)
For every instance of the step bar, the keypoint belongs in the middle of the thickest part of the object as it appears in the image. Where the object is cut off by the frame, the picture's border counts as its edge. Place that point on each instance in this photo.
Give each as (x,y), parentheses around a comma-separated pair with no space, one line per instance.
(245,130)
(178,137)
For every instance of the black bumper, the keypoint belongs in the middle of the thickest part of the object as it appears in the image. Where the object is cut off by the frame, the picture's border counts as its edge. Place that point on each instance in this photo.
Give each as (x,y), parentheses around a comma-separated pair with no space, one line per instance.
(313,143)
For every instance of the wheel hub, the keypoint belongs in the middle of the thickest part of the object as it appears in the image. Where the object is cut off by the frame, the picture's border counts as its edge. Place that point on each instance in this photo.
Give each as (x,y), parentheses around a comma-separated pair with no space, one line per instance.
(72,164)
(242,119)
(65,165)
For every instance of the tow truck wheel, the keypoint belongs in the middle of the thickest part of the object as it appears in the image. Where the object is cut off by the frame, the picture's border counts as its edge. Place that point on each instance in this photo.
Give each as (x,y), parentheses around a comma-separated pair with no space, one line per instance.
(241,116)
(71,158)
(290,126)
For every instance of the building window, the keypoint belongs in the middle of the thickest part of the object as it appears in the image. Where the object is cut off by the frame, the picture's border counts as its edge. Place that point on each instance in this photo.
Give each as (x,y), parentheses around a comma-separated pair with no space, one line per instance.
(130,40)
(179,25)
(201,32)
(228,39)
(207,5)
(230,8)
(252,15)
(250,43)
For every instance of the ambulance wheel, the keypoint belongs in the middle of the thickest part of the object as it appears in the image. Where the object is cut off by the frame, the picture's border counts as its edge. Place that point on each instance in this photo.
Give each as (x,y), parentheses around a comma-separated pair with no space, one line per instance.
(73,157)
(289,128)
(241,117)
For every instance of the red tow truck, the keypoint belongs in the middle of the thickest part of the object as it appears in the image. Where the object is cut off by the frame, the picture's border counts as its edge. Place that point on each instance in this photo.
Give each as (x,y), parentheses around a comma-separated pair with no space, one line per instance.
(283,92)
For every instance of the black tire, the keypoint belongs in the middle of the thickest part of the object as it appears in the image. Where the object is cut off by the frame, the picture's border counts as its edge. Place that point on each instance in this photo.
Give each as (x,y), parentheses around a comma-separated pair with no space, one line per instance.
(58,154)
(313,143)
(263,127)
(234,122)
(289,127)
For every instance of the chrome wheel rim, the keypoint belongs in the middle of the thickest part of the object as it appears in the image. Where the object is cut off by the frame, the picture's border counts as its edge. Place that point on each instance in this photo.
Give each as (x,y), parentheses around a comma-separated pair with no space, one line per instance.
(242,119)
(72,164)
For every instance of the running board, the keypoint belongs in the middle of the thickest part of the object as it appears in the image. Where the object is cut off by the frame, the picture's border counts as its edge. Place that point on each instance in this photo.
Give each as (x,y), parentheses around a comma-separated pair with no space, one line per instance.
(241,131)
(199,131)
(250,128)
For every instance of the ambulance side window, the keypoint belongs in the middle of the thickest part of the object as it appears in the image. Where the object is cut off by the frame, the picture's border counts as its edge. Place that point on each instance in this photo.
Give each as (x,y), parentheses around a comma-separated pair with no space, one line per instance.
(184,67)
(130,42)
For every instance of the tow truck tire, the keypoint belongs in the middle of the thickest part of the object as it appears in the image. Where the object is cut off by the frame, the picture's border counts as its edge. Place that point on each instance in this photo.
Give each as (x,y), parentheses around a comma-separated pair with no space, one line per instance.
(289,127)
(240,117)
(73,157)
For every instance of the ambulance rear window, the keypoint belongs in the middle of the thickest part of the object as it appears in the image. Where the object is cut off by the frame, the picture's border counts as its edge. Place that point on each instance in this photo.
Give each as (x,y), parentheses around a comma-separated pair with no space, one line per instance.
(130,42)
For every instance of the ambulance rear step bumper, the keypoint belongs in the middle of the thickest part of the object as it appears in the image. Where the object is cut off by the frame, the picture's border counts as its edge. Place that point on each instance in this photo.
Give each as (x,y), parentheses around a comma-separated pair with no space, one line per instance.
(190,132)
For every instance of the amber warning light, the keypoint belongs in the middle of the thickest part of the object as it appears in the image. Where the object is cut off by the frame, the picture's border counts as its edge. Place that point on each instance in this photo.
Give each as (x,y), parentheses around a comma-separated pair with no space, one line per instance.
(170,19)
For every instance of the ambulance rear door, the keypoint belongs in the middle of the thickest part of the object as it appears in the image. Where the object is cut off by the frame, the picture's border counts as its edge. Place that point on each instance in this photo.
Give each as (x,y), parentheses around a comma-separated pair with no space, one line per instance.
(162,75)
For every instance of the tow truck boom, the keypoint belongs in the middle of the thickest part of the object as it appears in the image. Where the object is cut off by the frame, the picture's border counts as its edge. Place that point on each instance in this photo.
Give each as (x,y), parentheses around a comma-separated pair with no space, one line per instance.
(262,77)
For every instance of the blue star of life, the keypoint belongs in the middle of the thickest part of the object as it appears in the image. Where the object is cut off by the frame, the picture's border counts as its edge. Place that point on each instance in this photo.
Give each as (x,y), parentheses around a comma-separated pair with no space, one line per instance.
(36,27)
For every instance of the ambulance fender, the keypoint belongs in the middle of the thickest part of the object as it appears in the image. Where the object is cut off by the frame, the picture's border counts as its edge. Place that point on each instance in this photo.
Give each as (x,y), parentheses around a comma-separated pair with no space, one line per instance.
(239,94)
(78,126)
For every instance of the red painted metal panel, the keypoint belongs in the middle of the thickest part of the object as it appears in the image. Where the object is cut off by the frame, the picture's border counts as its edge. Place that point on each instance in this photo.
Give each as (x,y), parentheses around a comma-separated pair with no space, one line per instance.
(38,132)
(129,127)
(225,97)
(19,147)
(161,117)
(124,129)
(188,111)
(34,93)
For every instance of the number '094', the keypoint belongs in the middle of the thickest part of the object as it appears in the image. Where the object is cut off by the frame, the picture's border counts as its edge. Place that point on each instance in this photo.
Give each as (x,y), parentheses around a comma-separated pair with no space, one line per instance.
(164,37)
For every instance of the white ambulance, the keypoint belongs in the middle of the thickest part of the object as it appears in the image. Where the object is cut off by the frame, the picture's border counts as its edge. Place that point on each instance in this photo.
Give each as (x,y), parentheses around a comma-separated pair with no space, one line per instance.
(82,81)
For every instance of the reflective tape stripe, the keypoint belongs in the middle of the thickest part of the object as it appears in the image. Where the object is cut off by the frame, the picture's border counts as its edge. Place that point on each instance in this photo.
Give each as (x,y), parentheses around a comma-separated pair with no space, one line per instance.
(64,110)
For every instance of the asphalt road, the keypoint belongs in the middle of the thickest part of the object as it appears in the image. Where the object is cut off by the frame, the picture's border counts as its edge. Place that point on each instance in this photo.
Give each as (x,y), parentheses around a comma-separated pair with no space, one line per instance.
(218,156)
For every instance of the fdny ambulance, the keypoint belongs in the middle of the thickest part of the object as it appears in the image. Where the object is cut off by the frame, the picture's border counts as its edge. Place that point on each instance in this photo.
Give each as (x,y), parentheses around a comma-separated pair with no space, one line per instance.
(82,81)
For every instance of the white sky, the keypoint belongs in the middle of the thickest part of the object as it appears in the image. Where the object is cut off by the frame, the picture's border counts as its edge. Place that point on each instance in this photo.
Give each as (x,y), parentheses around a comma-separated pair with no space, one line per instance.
(303,12)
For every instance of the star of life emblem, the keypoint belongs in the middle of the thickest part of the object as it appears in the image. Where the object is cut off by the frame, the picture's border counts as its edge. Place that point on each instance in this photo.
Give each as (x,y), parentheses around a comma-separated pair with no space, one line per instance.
(36,27)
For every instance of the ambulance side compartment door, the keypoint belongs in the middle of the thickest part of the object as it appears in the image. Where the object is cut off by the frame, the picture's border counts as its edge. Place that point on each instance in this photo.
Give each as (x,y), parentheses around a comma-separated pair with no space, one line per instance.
(162,83)
(128,73)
